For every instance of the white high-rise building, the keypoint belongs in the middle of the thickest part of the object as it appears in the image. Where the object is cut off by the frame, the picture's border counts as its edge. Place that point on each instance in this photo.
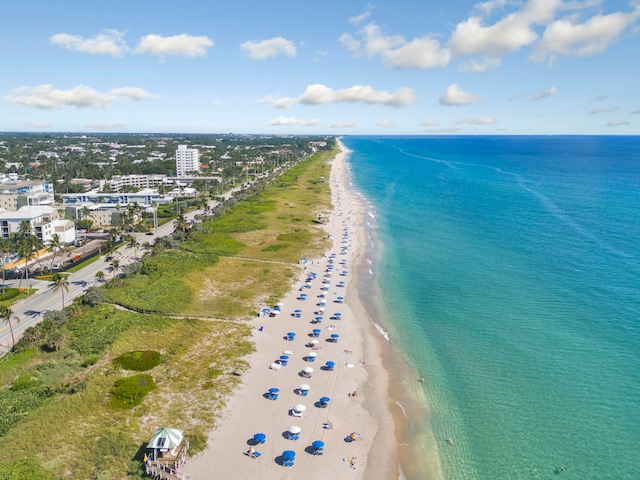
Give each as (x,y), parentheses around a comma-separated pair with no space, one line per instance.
(187,160)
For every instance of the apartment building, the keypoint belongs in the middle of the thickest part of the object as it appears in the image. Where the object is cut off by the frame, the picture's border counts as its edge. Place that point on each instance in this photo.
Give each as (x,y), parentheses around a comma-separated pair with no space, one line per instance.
(15,194)
(187,160)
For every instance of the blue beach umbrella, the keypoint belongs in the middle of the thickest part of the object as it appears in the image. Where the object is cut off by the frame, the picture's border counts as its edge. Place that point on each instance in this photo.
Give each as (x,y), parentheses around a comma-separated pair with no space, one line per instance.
(288,455)
(260,437)
(325,400)
(335,336)
(330,365)
(317,332)
(318,444)
(318,319)
(274,390)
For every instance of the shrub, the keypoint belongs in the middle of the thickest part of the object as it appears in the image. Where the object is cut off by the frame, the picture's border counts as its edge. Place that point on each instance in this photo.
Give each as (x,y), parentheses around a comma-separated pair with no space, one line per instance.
(130,391)
(9,294)
(59,317)
(94,296)
(138,361)
(92,360)
(25,382)
(24,469)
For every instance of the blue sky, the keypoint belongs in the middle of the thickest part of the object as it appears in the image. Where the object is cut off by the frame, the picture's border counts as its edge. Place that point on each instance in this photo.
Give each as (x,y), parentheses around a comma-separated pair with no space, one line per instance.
(303,67)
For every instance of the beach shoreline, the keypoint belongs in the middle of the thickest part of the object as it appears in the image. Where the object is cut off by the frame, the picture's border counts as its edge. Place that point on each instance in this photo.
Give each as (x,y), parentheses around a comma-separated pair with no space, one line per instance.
(357,355)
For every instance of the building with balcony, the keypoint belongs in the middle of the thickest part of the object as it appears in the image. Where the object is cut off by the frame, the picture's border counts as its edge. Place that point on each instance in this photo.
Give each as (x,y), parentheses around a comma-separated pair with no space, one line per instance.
(187,160)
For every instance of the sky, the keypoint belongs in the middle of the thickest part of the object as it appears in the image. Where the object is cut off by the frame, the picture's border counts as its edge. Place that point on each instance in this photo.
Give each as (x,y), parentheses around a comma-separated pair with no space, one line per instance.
(401,67)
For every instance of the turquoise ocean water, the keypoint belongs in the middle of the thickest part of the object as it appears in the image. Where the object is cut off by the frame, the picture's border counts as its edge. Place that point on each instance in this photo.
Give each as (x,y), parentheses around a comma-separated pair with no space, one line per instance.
(510,272)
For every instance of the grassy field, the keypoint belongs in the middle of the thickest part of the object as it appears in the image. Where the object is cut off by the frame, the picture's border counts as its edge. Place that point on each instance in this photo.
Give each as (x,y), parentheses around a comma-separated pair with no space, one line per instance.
(242,260)
(69,405)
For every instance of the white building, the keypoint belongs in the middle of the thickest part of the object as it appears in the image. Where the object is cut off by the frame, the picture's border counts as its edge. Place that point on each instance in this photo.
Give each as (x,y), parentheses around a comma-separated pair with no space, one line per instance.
(16,193)
(187,160)
(44,222)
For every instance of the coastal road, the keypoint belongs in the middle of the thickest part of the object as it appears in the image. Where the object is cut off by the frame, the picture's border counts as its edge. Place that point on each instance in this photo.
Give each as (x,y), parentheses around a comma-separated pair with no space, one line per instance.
(29,312)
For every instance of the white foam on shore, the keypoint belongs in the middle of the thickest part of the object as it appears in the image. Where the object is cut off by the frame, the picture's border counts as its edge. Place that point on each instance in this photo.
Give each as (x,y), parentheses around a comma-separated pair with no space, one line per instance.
(383,332)
(404,412)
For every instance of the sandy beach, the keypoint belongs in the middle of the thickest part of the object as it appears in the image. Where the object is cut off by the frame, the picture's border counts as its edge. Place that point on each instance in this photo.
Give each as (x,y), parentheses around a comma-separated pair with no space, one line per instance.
(357,357)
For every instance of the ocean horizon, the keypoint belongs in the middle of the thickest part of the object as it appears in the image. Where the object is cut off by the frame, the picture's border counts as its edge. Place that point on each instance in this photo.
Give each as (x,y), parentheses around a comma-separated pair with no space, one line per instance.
(510,279)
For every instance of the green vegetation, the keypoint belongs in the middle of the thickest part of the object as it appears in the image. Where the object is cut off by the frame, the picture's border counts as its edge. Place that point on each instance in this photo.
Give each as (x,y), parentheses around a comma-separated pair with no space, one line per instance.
(129,391)
(139,361)
(236,262)
(50,393)
(9,294)
(68,380)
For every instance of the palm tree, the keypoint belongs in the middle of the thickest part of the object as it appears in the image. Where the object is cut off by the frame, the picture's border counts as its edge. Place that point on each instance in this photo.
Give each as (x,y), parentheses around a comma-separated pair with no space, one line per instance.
(53,245)
(59,282)
(100,276)
(6,314)
(133,243)
(5,247)
(84,213)
(25,251)
(181,222)
(115,267)
(24,229)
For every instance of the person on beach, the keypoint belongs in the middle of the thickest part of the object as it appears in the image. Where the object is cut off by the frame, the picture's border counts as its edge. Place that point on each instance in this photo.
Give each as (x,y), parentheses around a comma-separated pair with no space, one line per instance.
(251,452)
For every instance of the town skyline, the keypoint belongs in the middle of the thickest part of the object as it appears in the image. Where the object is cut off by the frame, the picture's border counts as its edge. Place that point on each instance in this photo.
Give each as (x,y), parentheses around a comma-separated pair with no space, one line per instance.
(407,68)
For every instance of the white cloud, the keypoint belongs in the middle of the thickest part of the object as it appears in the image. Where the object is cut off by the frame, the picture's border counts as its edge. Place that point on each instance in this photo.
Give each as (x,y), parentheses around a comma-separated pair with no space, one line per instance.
(294,122)
(585,39)
(343,125)
(109,42)
(132,93)
(635,112)
(507,35)
(545,93)
(269,48)
(603,110)
(454,95)
(386,123)
(617,123)
(429,123)
(359,18)
(479,66)
(276,101)
(477,121)
(184,45)
(487,7)
(319,94)
(420,53)
(47,97)
(395,51)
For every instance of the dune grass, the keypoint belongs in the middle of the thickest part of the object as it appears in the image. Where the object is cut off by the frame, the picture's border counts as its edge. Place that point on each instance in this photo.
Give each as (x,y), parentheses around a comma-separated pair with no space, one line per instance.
(77,430)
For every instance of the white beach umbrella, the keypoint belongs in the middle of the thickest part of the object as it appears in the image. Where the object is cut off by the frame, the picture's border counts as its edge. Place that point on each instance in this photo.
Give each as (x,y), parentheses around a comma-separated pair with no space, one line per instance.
(295,429)
(299,408)
(304,386)
(314,342)
(287,352)
(308,370)
(311,354)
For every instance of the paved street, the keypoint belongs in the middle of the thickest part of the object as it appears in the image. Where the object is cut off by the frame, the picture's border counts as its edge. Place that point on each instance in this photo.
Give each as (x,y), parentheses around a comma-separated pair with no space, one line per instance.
(30,310)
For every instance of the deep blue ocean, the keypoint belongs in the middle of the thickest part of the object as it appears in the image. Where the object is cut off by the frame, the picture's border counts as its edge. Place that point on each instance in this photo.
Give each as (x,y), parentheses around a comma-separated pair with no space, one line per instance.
(510,272)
